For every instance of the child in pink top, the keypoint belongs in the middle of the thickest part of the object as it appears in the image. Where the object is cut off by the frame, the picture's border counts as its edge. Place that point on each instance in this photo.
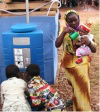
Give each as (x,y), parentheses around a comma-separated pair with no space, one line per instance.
(84,50)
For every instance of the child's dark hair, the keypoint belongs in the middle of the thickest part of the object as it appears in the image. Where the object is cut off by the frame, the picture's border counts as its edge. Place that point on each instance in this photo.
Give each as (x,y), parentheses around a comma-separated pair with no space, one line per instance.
(11,71)
(33,70)
(69,14)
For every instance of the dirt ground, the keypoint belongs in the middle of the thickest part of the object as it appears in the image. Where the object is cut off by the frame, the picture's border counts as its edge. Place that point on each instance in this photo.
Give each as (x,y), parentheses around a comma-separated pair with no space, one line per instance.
(62,85)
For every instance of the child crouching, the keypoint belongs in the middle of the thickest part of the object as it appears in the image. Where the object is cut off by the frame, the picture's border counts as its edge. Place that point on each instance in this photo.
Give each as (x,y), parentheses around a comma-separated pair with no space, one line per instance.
(12,92)
(41,93)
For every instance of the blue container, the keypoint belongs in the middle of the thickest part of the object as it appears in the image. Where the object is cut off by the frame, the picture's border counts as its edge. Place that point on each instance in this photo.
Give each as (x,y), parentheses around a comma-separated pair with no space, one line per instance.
(23,45)
(2,73)
(49,26)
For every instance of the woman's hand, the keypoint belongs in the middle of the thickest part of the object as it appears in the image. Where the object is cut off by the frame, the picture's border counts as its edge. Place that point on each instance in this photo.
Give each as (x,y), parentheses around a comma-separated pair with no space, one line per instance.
(59,40)
(85,40)
(68,30)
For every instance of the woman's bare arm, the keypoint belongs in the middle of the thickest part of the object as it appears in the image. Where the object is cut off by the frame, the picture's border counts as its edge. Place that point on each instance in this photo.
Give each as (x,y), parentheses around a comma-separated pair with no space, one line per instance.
(59,40)
(87,42)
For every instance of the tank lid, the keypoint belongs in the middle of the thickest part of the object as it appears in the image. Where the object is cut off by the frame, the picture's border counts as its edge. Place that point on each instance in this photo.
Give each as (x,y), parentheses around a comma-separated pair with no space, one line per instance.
(23,27)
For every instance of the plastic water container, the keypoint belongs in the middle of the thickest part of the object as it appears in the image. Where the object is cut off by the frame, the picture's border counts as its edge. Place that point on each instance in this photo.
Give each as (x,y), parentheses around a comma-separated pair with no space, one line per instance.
(23,45)
(50,33)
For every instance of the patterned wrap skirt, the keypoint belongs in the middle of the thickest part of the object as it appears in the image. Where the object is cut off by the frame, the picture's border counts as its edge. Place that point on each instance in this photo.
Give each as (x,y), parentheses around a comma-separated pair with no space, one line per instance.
(78,76)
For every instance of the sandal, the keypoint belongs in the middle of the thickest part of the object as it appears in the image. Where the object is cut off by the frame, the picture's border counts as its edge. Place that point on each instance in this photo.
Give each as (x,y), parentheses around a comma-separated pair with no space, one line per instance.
(69,103)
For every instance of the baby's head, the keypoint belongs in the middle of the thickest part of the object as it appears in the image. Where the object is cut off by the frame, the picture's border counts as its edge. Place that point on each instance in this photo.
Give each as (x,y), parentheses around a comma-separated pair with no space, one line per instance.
(33,70)
(72,19)
(83,32)
(12,71)
(85,28)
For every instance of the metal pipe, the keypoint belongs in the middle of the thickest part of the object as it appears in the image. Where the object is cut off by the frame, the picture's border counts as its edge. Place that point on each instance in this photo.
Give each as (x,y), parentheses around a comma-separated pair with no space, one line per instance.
(27,11)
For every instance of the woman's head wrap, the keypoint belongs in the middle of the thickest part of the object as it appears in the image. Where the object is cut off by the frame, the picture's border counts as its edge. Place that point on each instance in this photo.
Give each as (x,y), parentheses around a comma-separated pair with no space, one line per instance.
(68,12)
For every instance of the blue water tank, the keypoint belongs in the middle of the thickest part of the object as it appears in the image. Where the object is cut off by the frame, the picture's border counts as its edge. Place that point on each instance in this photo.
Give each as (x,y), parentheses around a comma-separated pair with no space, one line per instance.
(23,45)
(49,26)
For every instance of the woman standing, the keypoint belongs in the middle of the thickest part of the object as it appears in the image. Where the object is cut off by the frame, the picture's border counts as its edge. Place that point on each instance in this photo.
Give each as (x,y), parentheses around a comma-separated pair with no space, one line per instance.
(77,74)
